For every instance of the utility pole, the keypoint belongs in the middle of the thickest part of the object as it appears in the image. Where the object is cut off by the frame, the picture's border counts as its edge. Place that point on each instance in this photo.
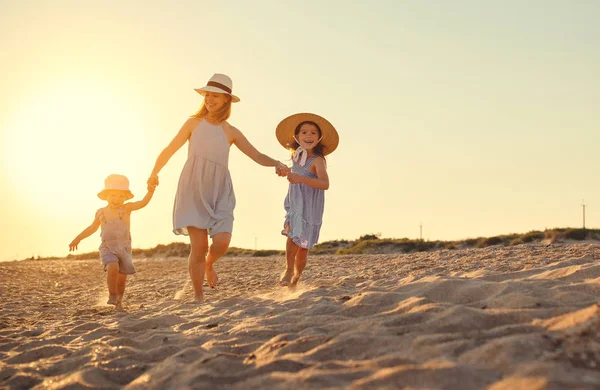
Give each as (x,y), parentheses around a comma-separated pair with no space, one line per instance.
(421,230)
(583,205)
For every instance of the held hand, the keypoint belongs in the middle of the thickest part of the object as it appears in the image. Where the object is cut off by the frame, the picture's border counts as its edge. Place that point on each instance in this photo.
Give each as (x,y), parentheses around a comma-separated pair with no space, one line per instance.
(281,169)
(152,181)
(151,188)
(295,178)
(73,245)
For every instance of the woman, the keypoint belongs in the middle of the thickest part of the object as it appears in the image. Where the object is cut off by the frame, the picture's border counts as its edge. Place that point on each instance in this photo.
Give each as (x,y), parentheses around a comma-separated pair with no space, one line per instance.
(205,198)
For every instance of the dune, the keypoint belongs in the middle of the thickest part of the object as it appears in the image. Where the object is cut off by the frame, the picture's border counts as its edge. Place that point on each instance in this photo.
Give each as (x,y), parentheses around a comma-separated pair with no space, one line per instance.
(497,318)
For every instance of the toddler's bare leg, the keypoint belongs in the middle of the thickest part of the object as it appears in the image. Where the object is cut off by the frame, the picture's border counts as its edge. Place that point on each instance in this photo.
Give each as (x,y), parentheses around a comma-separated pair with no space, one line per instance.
(121,281)
(299,265)
(219,246)
(197,260)
(290,255)
(112,272)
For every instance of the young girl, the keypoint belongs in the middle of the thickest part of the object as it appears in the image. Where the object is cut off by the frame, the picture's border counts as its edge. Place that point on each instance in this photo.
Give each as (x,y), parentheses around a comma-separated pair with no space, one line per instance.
(113,220)
(205,200)
(311,138)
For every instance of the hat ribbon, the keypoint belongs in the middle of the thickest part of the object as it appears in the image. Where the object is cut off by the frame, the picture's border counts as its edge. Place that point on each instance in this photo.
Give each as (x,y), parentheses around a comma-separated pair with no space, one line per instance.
(219,85)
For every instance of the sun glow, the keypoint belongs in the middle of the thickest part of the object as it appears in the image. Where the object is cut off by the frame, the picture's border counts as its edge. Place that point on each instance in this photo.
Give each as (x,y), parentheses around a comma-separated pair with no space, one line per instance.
(61,144)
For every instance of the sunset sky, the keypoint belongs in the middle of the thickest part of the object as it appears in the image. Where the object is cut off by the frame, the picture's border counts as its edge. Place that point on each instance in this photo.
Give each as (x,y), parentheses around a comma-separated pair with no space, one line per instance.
(474,118)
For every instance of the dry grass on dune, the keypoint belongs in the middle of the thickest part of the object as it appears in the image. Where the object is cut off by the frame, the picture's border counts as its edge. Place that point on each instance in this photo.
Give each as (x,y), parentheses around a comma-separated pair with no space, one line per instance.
(373,244)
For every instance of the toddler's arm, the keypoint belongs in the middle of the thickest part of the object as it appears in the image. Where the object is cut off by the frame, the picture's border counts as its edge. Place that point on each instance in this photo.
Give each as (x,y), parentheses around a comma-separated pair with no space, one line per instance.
(88,231)
(142,203)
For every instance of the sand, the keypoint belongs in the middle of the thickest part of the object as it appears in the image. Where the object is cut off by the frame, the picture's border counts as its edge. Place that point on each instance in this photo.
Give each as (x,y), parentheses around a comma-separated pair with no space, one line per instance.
(523,317)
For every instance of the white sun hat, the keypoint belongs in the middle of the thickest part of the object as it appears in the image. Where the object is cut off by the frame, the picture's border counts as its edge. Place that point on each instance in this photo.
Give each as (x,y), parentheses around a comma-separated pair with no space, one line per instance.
(115,183)
(219,83)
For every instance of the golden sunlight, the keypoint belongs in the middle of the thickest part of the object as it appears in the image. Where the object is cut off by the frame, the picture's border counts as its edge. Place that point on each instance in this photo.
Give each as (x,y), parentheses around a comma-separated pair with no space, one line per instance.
(64,141)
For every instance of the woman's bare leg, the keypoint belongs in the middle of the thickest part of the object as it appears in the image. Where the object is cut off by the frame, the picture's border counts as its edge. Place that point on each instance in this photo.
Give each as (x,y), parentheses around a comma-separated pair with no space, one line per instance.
(290,256)
(219,246)
(197,259)
(301,258)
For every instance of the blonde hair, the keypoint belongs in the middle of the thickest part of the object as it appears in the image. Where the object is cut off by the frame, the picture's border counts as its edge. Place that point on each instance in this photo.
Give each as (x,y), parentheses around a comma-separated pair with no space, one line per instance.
(222,115)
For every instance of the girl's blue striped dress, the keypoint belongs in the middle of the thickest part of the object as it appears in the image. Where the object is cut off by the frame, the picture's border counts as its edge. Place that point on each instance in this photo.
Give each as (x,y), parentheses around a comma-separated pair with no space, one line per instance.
(304,208)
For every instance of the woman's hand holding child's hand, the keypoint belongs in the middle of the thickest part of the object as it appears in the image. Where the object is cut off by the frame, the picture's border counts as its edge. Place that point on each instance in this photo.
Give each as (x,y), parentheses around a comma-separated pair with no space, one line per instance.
(281,169)
(152,181)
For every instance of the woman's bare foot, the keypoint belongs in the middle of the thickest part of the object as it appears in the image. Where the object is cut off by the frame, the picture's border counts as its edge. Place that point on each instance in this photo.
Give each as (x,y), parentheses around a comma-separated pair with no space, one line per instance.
(211,276)
(112,300)
(294,280)
(285,278)
(199,298)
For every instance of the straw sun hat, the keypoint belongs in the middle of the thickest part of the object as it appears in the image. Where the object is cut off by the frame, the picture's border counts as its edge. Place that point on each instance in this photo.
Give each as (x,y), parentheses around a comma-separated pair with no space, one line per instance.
(115,183)
(219,83)
(287,127)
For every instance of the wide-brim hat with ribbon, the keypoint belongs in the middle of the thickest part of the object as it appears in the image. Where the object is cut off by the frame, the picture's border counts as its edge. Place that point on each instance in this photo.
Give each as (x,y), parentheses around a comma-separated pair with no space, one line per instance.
(115,183)
(219,83)
(286,128)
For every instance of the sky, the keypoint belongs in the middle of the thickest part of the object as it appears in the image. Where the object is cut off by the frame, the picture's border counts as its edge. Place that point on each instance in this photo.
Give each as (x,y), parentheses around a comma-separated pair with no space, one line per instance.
(468,118)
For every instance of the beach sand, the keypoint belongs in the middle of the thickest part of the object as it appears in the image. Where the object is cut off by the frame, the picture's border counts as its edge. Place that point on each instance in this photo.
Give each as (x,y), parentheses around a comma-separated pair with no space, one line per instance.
(522,317)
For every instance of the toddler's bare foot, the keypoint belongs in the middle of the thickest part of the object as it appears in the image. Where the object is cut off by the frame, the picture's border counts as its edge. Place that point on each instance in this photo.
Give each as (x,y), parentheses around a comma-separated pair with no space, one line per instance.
(211,276)
(112,300)
(285,278)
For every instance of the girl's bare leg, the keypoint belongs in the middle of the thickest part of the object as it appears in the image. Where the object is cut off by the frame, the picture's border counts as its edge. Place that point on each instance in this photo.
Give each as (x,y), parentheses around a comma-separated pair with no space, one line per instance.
(121,281)
(112,272)
(197,259)
(290,255)
(300,263)
(219,246)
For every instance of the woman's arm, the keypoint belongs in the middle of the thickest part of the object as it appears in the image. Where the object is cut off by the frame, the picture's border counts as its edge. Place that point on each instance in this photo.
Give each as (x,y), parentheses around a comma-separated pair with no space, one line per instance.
(321,182)
(262,159)
(178,141)
(88,231)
